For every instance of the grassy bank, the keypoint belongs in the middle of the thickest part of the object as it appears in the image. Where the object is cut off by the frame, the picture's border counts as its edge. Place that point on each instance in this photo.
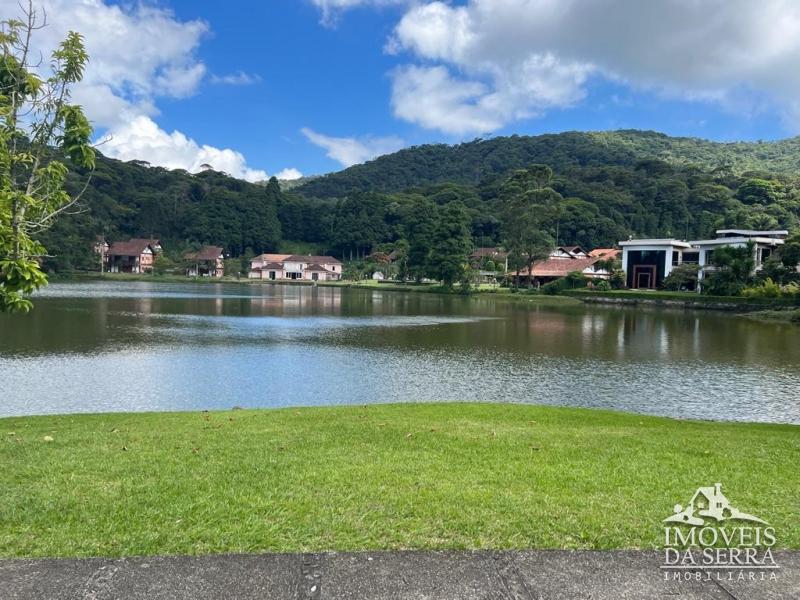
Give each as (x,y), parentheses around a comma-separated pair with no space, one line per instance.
(690,297)
(377,477)
(789,315)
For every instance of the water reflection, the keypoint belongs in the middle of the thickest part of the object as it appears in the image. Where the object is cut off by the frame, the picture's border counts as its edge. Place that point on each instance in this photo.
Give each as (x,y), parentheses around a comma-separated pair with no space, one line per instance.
(172,347)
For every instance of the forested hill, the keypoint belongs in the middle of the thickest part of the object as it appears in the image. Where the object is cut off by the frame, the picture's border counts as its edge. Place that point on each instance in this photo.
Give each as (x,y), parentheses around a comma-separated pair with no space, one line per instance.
(477,162)
(603,187)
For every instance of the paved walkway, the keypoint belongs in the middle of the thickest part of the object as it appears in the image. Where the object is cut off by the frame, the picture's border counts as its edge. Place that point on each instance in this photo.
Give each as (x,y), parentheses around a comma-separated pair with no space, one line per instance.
(533,575)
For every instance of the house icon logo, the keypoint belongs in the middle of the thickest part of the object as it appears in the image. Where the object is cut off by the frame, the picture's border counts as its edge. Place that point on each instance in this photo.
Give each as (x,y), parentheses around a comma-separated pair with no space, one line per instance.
(711,503)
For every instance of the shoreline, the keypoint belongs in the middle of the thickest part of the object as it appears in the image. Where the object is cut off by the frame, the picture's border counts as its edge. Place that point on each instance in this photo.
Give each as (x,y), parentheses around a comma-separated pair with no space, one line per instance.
(771,309)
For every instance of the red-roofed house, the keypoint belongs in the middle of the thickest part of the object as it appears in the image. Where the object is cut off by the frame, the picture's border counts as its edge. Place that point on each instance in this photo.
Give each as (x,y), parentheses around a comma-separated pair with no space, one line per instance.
(295,266)
(209,261)
(561,262)
(133,256)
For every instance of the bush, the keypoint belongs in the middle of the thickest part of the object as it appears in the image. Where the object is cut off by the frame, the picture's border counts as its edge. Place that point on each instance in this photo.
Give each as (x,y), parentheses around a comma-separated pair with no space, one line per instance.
(572,281)
(682,278)
(602,286)
(770,289)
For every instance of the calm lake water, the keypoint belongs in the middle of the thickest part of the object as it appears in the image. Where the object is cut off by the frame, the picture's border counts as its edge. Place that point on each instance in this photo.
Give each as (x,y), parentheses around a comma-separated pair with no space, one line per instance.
(143,347)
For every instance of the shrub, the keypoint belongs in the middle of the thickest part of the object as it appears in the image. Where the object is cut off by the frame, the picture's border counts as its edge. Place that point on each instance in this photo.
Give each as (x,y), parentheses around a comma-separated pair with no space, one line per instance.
(602,286)
(766,289)
(572,281)
(682,278)
(771,289)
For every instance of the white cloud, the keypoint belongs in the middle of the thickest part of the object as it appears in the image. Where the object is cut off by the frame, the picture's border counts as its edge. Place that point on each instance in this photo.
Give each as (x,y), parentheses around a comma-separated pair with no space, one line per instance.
(288,174)
(238,78)
(330,9)
(490,62)
(350,150)
(138,53)
(143,138)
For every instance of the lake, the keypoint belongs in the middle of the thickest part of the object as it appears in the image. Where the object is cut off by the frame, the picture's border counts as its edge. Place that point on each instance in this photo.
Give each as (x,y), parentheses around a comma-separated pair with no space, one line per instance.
(130,346)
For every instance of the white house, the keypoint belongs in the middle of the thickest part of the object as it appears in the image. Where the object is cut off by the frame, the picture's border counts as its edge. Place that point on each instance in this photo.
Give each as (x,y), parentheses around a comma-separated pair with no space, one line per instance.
(647,262)
(295,266)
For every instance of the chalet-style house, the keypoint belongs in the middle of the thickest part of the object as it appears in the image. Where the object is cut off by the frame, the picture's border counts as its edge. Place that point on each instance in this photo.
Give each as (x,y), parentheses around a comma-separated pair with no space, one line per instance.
(647,262)
(209,261)
(562,261)
(295,266)
(134,256)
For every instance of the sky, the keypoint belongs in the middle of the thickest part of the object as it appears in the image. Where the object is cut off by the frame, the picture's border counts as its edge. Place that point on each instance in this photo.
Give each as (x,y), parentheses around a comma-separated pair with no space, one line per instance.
(304,87)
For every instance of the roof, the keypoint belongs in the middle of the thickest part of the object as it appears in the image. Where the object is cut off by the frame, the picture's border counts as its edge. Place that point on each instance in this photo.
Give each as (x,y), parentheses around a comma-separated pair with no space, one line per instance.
(558,267)
(656,242)
(603,252)
(316,267)
(132,247)
(572,249)
(308,258)
(205,253)
(753,232)
(152,241)
(271,257)
(730,241)
(272,266)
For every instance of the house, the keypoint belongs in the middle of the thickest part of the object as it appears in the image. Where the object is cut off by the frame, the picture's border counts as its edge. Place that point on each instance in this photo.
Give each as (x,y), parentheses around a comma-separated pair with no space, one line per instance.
(295,266)
(133,256)
(209,261)
(647,262)
(765,243)
(562,261)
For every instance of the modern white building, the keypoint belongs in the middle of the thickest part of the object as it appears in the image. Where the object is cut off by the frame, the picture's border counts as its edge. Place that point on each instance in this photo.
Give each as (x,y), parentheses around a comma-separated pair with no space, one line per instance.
(647,262)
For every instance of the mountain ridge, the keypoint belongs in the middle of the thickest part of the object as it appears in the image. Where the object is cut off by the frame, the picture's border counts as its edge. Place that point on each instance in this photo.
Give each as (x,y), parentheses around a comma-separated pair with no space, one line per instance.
(474,162)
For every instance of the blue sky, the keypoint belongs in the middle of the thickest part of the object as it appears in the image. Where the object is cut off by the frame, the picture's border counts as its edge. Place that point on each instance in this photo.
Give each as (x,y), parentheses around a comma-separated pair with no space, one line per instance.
(309,86)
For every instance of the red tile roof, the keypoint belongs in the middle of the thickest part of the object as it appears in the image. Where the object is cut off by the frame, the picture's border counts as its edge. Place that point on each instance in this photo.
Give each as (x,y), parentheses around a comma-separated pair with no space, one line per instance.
(604,252)
(205,253)
(558,267)
(132,247)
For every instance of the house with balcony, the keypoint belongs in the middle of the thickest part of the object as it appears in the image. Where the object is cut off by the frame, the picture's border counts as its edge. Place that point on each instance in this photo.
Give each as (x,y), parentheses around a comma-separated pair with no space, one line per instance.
(274,267)
(647,262)
(209,261)
(133,256)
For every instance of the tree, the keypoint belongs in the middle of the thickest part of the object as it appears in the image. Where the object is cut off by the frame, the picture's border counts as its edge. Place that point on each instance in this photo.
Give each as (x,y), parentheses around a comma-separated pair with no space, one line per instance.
(682,278)
(451,244)
(733,269)
(40,133)
(527,205)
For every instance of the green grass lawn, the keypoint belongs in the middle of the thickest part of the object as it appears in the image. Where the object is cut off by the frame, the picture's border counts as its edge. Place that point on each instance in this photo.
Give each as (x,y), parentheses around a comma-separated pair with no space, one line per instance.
(378,477)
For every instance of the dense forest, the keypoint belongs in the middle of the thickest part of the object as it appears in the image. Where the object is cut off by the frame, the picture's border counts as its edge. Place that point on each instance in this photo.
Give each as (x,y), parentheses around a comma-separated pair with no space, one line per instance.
(601,187)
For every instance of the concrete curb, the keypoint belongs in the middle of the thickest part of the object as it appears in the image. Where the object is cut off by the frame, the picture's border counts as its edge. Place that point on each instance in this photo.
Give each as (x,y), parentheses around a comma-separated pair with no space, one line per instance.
(524,575)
